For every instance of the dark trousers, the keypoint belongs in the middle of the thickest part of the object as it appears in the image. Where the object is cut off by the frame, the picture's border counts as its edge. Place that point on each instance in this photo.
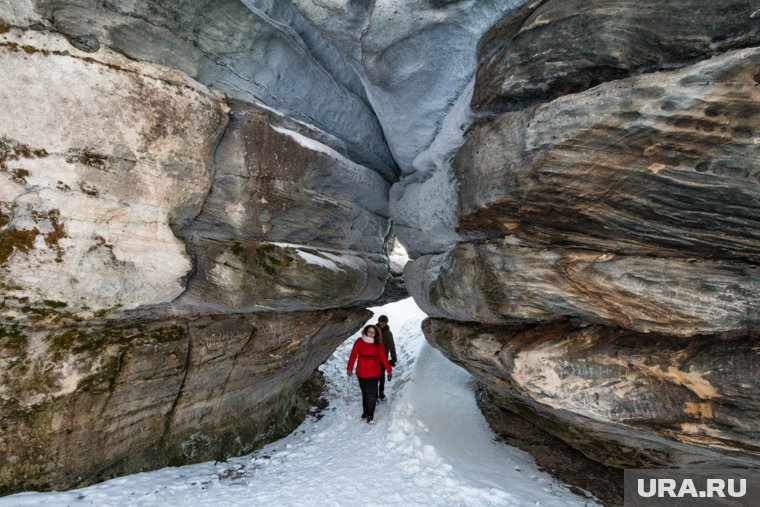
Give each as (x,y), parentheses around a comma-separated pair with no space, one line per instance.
(369,394)
(381,388)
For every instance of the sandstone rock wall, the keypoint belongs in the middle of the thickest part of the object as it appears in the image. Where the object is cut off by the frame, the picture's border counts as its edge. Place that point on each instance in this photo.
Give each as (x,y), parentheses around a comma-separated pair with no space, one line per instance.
(606,279)
(96,399)
(193,209)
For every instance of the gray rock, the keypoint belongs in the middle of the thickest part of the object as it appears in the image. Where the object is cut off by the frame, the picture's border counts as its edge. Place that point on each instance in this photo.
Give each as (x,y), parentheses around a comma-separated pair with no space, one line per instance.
(419,56)
(87,43)
(547,49)
(626,399)
(289,223)
(238,275)
(83,403)
(498,283)
(251,51)
(662,164)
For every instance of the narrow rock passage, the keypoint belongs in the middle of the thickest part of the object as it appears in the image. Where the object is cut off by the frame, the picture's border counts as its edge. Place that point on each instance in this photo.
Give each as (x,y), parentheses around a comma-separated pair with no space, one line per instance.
(430,446)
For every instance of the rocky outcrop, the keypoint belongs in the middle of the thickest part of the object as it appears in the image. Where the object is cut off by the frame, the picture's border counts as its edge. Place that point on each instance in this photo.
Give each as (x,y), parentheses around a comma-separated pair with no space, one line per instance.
(91,153)
(645,165)
(251,51)
(179,178)
(628,399)
(605,281)
(549,48)
(166,238)
(89,401)
(289,223)
(497,283)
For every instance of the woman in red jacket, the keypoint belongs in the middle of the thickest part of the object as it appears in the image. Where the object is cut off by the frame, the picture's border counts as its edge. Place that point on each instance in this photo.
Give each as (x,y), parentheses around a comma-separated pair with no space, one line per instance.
(371,353)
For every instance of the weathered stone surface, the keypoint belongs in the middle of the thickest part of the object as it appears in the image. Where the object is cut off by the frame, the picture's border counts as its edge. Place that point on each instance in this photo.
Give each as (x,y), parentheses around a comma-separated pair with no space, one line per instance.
(626,399)
(607,240)
(424,211)
(419,56)
(88,402)
(274,182)
(289,223)
(256,51)
(116,192)
(92,150)
(498,283)
(662,164)
(252,276)
(546,49)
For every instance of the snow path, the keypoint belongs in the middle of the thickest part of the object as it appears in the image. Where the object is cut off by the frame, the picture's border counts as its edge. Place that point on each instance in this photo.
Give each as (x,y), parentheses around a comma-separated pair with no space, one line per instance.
(431,446)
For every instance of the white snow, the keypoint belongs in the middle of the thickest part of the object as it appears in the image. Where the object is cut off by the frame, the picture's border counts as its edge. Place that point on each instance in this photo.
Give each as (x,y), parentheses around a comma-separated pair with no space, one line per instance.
(314,145)
(398,257)
(431,446)
(319,261)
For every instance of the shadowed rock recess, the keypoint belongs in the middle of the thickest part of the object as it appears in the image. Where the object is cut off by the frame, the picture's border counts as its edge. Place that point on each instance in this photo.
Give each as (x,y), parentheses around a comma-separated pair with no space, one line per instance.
(197,201)
(607,279)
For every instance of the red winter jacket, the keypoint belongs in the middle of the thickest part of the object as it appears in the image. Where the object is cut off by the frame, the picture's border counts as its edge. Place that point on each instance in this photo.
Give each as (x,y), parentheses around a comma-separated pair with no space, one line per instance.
(370,357)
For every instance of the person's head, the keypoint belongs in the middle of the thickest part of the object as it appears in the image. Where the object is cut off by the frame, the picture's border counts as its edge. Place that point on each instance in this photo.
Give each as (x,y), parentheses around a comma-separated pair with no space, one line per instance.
(372,331)
(382,321)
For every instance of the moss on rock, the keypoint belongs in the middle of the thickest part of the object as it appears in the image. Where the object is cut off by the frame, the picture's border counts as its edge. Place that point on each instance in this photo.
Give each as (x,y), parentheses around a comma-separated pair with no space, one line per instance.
(16,239)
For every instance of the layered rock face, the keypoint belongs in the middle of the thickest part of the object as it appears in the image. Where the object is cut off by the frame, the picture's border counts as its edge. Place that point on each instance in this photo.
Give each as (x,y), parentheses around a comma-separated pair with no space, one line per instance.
(606,281)
(196,200)
(95,399)
(193,212)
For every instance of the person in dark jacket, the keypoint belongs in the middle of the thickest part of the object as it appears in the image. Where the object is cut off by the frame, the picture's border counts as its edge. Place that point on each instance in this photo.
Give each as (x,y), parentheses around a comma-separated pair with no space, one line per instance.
(390,350)
(369,350)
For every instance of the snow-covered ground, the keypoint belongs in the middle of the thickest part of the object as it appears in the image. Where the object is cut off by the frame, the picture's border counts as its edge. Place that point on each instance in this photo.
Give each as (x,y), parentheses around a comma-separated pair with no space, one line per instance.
(430,446)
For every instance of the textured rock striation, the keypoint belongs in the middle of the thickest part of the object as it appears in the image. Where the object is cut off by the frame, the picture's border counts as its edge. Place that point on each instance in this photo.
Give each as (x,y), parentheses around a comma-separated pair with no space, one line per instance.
(548,48)
(193,210)
(289,223)
(624,398)
(90,400)
(606,279)
(197,198)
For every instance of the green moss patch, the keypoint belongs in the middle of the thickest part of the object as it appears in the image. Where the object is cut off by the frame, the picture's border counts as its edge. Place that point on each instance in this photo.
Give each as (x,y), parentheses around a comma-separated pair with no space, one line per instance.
(16,239)
(13,341)
(12,150)
(88,158)
(165,334)
(20,175)
(272,259)
(100,242)
(237,249)
(56,234)
(104,378)
(89,189)
(73,341)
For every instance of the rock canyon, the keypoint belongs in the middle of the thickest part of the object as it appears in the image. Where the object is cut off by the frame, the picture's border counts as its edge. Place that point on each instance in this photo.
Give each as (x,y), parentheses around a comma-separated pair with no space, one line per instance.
(198,201)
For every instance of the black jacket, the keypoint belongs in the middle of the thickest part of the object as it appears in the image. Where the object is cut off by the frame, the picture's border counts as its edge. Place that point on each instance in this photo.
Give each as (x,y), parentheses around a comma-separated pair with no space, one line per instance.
(388,343)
